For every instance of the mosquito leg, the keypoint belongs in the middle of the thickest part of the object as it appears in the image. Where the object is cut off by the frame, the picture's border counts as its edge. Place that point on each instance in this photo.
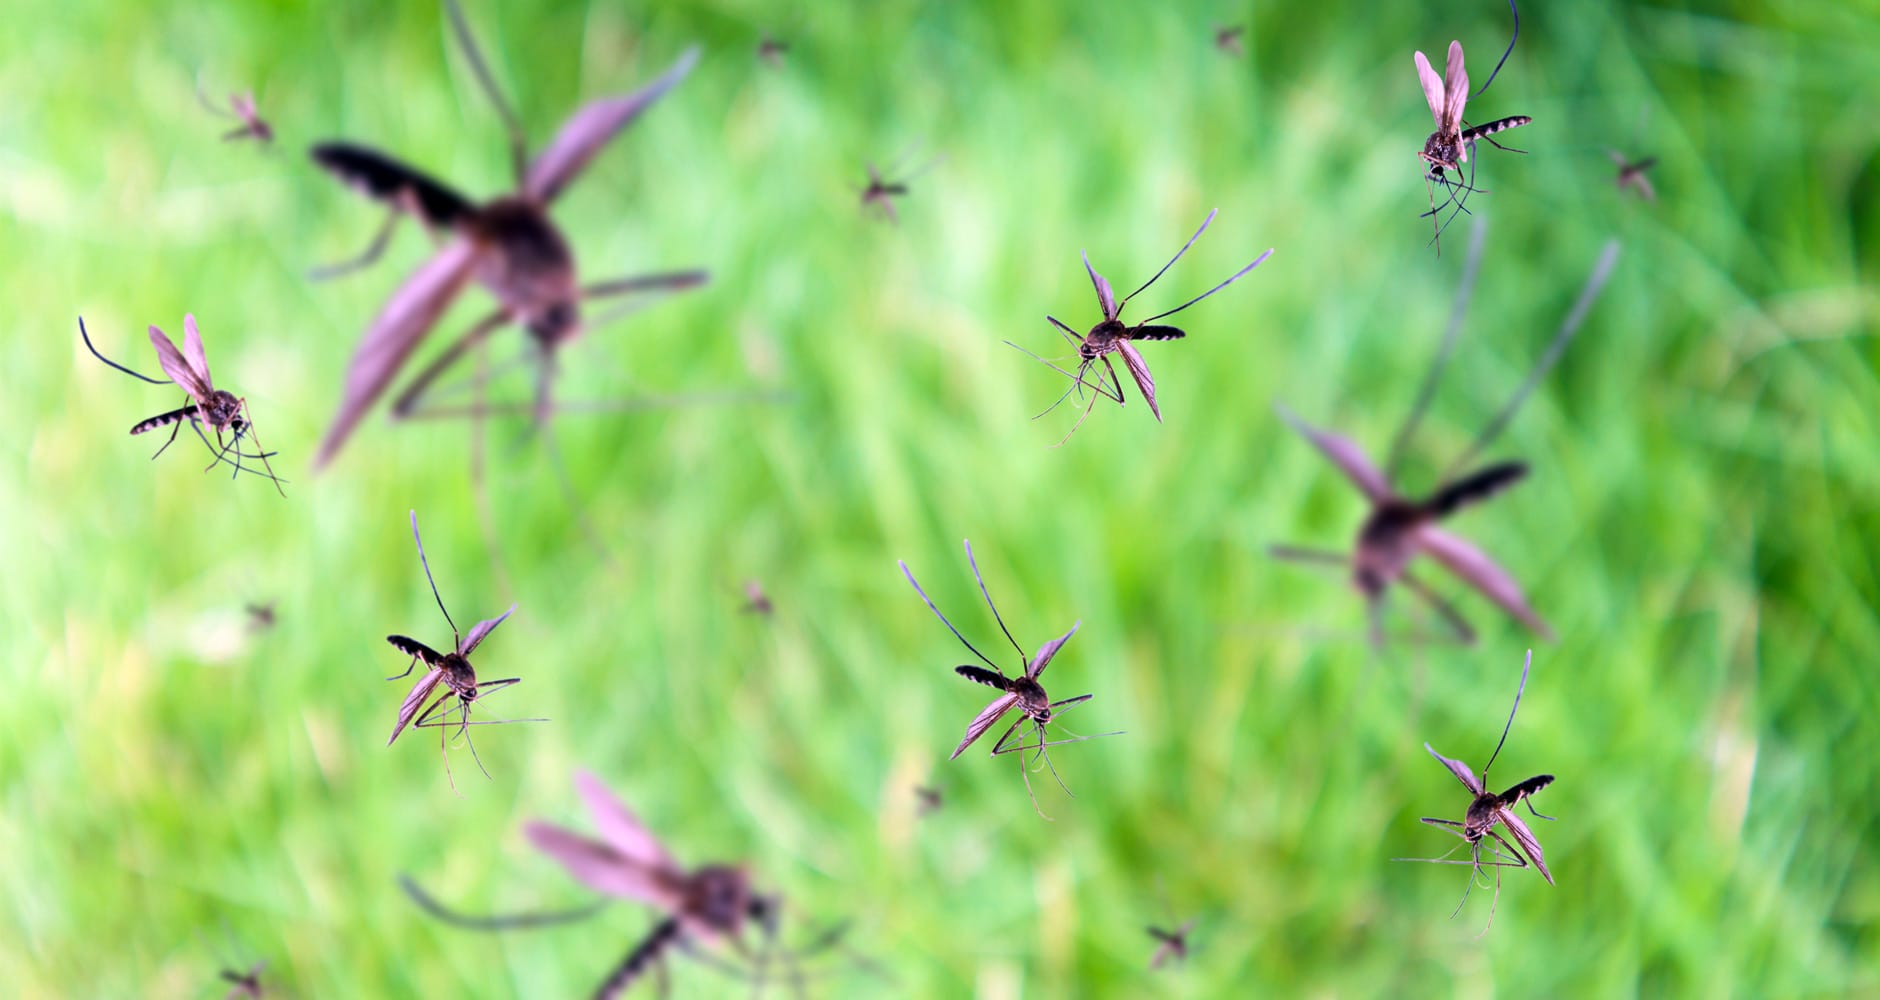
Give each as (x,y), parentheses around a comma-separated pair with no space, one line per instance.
(1299,554)
(1537,813)
(172,440)
(1460,626)
(365,259)
(262,449)
(406,406)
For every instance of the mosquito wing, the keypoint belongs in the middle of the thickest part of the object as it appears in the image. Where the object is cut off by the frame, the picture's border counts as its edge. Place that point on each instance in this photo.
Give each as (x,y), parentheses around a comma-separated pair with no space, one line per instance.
(1460,770)
(415,700)
(1105,297)
(482,630)
(1139,370)
(1048,650)
(602,868)
(1480,572)
(192,351)
(1455,89)
(1432,87)
(1525,837)
(412,311)
(176,367)
(1345,454)
(984,721)
(582,137)
(619,827)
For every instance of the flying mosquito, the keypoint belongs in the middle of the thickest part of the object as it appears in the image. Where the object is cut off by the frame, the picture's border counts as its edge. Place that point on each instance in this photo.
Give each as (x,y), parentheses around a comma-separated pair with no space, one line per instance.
(1113,336)
(1447,148)
(704,908)
(217,409)
(1488,809)
(1632,174)
(772,50)
(930,800)
(1021,691)
(1227,39)
(880,193)
(244,985)
(261,617)
(508,244)
(1171,945)
(242,108)
(756,602)
(453,671)
(1400,527)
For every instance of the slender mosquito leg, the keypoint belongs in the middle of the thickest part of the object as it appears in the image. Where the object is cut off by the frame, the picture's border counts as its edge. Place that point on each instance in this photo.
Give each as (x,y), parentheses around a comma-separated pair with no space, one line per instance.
(408,670)
(1537,813)
(173,433)
(406,406)
(262,449)
(1298,554)
(1506,149)
(366,259)
(1464,634)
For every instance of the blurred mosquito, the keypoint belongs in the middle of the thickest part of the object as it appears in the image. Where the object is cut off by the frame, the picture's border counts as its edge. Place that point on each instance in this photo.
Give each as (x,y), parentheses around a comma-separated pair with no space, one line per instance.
(756,602)
(880,193)
(260,616)
(772,50)
(1227,39)
(1489,809)
(1401,527)
(930,798)
(244,984)
(1632,174)
(242,108)
(453,671)
(1113,336)
(1171,944)
(1022,691)
(217,409)
(1448,147)
(509,245)
(703,908)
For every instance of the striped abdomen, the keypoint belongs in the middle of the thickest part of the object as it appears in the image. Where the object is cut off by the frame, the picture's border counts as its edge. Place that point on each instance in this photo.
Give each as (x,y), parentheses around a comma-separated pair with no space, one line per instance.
(166,419)
(1499,125)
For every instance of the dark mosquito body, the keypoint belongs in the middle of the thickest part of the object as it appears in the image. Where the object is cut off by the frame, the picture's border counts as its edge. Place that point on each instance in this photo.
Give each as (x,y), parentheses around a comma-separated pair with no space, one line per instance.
(1631,174)
(220,411)
(930,800)
(244,985)
(1021,691)
(1491,809)
(1227,39)
(1449,146)
(879,194)
(1401,527)
(1113,336)
(509,245)
(1170,945)
(261,617)
(772,50)
(450,670)
(756,602)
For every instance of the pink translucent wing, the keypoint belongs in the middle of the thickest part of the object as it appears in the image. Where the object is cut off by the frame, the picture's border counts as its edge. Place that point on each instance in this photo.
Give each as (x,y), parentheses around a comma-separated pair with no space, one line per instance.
(583,136)
(984,721)
(600,867)
(482,631)
(619,827)
(1345,454)
(1139,370)
(1460,770)
(175,367)
(1105,297)
(412,311)
(1432,87)
(1480,572)
(414,701)
(1525,837)
(1048,650)
(1455,88)
(192,350)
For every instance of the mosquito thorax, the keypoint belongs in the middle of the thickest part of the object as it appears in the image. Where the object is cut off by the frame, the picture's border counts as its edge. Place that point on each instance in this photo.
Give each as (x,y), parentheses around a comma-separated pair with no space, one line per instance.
(1031,698)
(221,408)
(531,270)
(1384,546)
(1101,339)
(719,896)
(460,676)
(1481,816)
(1442,149)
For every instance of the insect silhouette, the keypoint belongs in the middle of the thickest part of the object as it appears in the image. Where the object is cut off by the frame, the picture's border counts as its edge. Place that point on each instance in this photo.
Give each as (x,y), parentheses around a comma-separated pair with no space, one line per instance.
(704,908)
(772,50)
(1448,148)
(219,410)
(245,985)
(1171,945)
(242,108)
(453,671)
(1113,336)
(1487,810)
(260,616)
(880,193)
(1227,39)
(509,245)
(1632,174)
(1023,692)
(1401,527)
(756,602)
(931,799)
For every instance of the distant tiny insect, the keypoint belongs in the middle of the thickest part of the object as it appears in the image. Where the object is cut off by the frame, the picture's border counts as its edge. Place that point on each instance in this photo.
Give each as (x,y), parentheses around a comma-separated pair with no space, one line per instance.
(1448,147)
(1399,528)
(246,984)
(453,671)
(704,907)
(1022,691)
(931,800)
(772,50)
(1171,945)
(242,107)
(1632,174)
(880,193)
(1113,336)
(1488,809)
(1227,39)
(261,616)
(217,409)
(756,602)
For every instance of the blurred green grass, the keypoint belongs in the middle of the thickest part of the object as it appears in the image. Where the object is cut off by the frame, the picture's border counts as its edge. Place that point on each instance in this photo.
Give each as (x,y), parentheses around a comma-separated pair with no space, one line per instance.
(1701,527)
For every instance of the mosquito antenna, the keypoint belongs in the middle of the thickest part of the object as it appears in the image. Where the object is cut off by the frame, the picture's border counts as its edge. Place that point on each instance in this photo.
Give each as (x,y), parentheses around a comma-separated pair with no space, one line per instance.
(1602,270)
(1237,276)
(1470,266)
(943,618)
(974,563)
(513,921)
(422,561)
(518,142)
(1517,707)
(1504,56)
(1172,260)
(108,361)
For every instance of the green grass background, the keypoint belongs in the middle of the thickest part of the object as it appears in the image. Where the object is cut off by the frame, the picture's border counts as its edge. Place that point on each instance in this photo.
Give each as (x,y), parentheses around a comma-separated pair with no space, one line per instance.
(1701,526)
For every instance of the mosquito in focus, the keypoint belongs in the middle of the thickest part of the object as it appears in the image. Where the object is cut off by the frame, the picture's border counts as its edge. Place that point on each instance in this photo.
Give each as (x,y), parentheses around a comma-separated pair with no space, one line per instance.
(1447,148)
(1021,691)
(1113,336)
(1489,809)
(219,410)
(1401,527)
(1227,39)
(704,909)
(242,108)
(1632,174)
(880,193)
(453,671)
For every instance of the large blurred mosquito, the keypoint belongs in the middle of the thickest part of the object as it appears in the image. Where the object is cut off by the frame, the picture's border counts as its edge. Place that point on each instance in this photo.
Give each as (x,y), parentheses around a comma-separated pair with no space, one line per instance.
(703,908)
(880,193)
(217,409)
(1021,691)
(1632,174)
(453,671)
(1400,527)
(1448,147)
(509,245)
(242,108)
(1488,809)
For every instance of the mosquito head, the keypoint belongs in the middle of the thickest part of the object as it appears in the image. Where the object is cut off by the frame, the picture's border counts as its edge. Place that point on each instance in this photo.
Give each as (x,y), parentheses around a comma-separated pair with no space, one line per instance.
(460,676)
(720,898)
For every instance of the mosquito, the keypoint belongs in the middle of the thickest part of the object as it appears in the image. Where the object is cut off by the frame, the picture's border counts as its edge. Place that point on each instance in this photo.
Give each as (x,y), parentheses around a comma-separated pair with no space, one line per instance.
(930,800)
(880,193)
(704,908)
(1171,945)
(772,50)
(1489,809)
(242,108)
(1632,174)
(1448,147)
(244,985)
(453,671)
(1227,39)
(1113,336)
(1021,691)
(219,410)
(756,602)
(260,616)
(1400,527)
(509,244)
